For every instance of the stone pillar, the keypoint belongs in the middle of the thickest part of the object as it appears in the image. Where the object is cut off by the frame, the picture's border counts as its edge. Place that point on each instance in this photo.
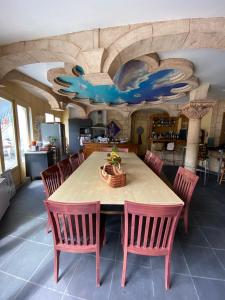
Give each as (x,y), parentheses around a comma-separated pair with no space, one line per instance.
(195,110)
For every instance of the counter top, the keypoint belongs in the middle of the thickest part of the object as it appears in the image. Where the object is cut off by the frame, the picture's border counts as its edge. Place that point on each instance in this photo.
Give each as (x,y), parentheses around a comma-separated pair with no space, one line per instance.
(36,152)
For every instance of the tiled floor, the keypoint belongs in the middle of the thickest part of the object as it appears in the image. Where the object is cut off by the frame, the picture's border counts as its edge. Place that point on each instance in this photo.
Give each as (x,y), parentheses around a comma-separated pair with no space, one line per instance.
(198,262)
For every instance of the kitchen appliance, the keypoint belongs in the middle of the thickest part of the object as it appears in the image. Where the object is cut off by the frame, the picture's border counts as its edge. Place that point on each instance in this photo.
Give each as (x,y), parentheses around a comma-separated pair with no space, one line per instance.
(54,133)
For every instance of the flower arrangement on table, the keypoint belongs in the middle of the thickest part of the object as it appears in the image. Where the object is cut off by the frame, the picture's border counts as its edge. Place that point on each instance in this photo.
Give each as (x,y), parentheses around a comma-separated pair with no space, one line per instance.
(113,157)
(111,172)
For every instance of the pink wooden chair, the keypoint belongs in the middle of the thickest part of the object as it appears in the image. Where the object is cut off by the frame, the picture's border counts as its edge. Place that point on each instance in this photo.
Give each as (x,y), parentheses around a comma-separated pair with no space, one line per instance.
(76,228)
(148,155)
(109,149)
(155,163)
(65,169)
(51,179)
(81,156)
(74,161)
(184,185)
(149,230)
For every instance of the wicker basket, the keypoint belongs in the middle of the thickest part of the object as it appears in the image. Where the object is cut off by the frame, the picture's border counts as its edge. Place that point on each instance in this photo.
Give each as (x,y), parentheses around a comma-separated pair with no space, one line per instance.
(113,175)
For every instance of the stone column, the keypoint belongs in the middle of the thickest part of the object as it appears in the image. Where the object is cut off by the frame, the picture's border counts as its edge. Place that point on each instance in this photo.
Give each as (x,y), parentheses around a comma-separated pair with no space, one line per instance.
(195,110)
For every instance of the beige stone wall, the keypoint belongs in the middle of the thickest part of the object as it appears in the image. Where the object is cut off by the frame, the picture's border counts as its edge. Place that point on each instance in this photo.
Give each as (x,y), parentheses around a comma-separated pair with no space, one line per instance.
(216,121)
(123,122)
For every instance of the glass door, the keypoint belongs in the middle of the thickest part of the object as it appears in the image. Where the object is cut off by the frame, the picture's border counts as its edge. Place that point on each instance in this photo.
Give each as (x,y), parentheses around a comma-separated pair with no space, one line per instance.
(8,141)
(24,137)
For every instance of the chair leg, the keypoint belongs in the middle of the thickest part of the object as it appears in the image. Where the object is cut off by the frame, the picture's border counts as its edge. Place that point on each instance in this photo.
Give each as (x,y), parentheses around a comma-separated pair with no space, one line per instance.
(123,280)
(98,267)
(167,271)
(56,265)
(48,227)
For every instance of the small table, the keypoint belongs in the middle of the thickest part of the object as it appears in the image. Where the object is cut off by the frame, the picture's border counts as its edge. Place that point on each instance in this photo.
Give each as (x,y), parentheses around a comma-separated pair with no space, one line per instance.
(143,185)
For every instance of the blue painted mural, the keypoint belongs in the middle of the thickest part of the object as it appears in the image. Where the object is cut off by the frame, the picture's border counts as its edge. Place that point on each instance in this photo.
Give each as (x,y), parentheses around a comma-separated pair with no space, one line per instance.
(132,84)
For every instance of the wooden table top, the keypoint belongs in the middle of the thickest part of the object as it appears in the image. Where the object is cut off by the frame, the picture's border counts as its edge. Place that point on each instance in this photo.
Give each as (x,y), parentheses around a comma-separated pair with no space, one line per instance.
(143,185)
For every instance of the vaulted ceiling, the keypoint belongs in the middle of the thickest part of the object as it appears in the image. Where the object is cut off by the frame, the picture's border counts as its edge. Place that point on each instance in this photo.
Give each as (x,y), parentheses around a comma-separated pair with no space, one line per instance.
(43,42)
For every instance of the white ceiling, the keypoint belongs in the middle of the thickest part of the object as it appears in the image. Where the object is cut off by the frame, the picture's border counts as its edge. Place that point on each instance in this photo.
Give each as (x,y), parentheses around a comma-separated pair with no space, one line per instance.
(22,20)
(39,71)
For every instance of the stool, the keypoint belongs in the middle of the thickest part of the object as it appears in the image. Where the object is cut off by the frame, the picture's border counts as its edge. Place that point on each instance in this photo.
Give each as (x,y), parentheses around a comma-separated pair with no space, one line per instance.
(170,149)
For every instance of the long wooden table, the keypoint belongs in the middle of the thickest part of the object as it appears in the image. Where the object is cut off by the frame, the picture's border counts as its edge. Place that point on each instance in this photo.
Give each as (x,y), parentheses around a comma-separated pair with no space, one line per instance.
(143,185)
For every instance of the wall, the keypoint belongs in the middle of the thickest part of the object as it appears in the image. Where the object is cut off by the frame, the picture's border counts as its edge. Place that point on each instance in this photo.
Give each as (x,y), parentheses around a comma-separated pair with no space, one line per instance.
(39,106)
(206,123)
(216,122)
(123,122)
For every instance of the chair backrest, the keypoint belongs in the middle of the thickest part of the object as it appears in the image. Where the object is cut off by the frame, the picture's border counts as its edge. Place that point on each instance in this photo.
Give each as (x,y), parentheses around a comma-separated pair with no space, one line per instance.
(150,228)
(148,154)
(65,168)
(81,156)
(74,161)
(184,184)
(51,178)
(106,149)
(74,226)
(109,149)
(155,163)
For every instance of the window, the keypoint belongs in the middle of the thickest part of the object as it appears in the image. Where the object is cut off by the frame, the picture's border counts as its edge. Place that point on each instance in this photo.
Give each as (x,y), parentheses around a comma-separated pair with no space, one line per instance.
(8,134)
(57,119)
(49,118)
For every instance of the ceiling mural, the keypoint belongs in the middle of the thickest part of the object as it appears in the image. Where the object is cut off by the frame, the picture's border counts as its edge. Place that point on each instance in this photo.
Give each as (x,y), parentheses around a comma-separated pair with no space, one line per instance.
(135,82)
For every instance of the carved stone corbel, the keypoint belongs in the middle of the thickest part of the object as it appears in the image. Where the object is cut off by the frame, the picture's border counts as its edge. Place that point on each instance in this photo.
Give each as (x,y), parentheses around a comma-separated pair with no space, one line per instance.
(197,109)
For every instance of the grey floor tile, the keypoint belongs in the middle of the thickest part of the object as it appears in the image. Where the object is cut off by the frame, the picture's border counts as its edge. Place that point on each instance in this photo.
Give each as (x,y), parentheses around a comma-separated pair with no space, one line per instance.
(35,292)
(9,286)
(83,283)
(203,262)
(69,297)
(24,262)
(221,256)
(113,223)
(112,243)
(181,287)
(210,289)
(8,246)
(142,260)
(216,237)
(26,227)
(45,274)
(178,264)
(138,283)
(193,237)
(209,220)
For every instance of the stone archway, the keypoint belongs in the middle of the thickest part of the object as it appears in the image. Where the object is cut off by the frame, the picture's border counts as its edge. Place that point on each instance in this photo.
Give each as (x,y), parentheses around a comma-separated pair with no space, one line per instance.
(164,36)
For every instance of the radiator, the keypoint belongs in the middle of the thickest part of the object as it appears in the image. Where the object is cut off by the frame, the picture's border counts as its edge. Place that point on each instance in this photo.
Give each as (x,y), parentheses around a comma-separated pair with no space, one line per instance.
(11,189)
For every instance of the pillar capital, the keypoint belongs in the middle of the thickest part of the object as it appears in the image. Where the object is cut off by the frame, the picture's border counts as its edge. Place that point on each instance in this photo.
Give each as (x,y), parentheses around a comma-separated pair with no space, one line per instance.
(197,109)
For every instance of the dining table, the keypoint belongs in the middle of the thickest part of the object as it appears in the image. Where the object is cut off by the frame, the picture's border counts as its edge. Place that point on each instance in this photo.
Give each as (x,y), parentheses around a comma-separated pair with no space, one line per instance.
(142,184)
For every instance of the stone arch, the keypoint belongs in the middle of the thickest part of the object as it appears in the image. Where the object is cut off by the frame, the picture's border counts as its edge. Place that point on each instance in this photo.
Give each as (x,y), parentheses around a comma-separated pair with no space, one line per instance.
(45,50)
(164,36)
(170,109)
(78,111)
(55,101)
